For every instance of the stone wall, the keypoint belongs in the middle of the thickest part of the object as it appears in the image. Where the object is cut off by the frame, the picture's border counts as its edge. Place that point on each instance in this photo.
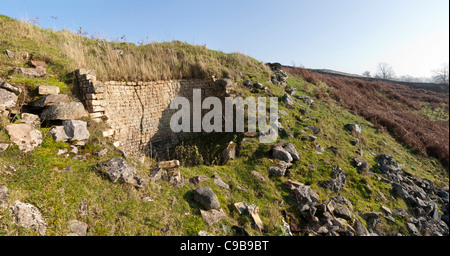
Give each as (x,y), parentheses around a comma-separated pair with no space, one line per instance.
(139,112)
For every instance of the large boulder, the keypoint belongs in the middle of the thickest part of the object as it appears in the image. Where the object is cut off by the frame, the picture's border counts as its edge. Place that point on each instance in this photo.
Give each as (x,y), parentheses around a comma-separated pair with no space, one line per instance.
(119,170)
(206,197)
(280,153)
(31,72)
(25,136)
(7,99)
(288,101)
(30,119)
(64,111)
(229,153)
(59,134)
(28,216)
(290,148)
(76,130)
(50,100)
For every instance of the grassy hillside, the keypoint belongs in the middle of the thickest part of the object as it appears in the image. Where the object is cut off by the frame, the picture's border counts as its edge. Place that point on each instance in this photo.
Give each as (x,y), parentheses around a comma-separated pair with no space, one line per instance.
(65,51)
(38,177)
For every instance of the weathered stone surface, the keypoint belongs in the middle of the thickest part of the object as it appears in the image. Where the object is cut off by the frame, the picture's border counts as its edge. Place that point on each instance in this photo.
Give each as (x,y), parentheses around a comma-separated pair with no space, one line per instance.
(360,229)
(221,184)
(203,233)
(10,54)
(50,100)
(248,83)
(78,228)
(198,180)
(169,164)
(3,197)
(229,153)
(6,86)
(101,152)
(155,174)
(306,99)
(290,148)
(119,170)
(25,136)
(46,89)
(224,82)
(76,130)
(240,207)
(3,146)
(342,211)
(28,216)
(212,216)
(337,182)
(59,134)
(7,99)
(413,229)
(31,72)
(280,153)
(64,111)
(276,171)
(30,119)
(174,177)
(258,176)
(206,197)
(288,101)
(354,128)
(253,210)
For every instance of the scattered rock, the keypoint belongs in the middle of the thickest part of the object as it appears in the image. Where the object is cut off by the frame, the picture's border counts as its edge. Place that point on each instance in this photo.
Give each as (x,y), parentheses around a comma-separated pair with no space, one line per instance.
(280,153)
(119,170)
(337,182)
(155,174)
(412,229)
(306,99)
(76,130)
(212,216)
(240,207)
(314,129)
(50,100)
(354,128)
(37,63)
(290,148)
(101,152)
(46,89)
(6,86)
(360,229)
(3,197)
(78,228)
(174,177)
(221,184)
(25,136)
(79,157)
(3,146)
(62,151)
(229,153)
(169,164)
(386,210)
(198,180)
(59,134)
(204,233)
(7,99)
(83,209)
(253,210)
(259,86)
(206,197)
(248,83)
(10,54)
(64,111)
(258,176)
(288,101)
(30,119)
(361,165)
(31,72)
(28,216)
(224,82)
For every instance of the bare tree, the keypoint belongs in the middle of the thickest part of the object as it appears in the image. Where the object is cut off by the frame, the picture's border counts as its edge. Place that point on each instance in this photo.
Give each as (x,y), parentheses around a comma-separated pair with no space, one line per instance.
(440,75)
(366,73)
(385,71)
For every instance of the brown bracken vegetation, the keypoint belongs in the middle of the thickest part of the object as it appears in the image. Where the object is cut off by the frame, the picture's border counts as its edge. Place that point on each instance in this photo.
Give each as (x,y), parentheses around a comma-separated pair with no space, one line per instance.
(391,107)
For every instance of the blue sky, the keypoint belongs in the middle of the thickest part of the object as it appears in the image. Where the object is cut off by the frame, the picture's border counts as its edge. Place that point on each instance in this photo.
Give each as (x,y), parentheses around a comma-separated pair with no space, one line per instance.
(347,35)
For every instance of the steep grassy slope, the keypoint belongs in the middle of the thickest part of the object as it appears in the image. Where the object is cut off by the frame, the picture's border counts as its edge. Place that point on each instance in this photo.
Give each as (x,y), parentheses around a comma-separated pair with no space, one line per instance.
(37,177)
(65,51)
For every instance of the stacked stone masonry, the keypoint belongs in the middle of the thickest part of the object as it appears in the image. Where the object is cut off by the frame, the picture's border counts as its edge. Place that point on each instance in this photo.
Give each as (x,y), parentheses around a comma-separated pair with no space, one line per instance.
(139,112)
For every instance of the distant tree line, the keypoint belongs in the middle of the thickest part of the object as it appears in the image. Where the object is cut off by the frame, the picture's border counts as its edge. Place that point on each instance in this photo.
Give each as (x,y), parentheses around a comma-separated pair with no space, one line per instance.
(385,71)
